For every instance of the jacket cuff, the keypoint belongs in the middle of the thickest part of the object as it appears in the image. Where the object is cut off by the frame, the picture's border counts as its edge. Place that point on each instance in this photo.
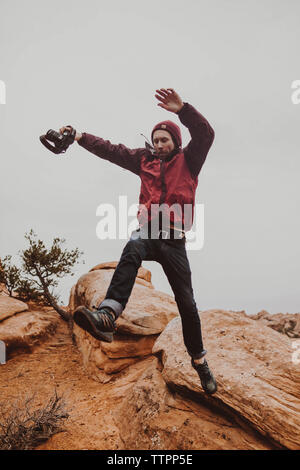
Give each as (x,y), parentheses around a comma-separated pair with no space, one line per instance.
(83,139)
(184,107)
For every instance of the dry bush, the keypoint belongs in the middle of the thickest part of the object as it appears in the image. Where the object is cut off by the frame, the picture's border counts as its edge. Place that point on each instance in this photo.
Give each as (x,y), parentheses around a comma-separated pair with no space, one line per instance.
(23,427)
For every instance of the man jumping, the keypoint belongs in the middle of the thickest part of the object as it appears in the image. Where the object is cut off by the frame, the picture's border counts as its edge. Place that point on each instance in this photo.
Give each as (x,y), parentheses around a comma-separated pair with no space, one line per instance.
(169,178)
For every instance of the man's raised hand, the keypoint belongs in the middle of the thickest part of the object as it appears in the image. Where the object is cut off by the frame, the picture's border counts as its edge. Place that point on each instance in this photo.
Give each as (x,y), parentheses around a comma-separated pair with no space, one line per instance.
(169,99)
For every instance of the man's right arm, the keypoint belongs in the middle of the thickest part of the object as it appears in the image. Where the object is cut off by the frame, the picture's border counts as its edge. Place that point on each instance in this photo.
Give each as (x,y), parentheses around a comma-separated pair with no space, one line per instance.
(119,154)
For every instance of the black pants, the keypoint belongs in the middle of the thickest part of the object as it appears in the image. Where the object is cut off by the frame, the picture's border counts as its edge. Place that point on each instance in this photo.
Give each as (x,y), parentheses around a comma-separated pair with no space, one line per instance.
(171,254)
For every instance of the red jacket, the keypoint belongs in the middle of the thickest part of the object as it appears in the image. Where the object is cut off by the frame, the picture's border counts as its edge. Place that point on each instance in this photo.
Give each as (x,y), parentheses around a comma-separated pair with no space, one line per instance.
(171,180)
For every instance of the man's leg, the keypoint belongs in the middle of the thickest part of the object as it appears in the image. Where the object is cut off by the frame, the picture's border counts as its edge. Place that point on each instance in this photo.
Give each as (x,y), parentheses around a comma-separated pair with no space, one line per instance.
(175,264)
(101,322)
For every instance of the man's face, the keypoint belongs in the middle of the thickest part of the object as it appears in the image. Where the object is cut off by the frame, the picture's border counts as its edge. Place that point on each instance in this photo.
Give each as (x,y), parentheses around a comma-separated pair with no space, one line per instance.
(163,142)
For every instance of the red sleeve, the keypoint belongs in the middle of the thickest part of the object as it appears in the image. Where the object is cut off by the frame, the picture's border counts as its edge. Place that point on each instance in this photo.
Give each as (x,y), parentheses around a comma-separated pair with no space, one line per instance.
(119,154)
(202,135)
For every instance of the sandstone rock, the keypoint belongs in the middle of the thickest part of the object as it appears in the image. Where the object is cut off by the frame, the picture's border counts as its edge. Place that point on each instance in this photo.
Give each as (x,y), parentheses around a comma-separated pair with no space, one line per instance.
(10,306)
(160,419)
(24,330)
(286,323)
(142,272)
(144,283)
(96,363)
(257,380)
(143,275)
(129,346)
(147,312)
(101,359)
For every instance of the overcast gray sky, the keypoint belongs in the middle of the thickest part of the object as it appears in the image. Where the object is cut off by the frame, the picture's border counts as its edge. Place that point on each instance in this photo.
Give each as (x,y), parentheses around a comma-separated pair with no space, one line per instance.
(96,65)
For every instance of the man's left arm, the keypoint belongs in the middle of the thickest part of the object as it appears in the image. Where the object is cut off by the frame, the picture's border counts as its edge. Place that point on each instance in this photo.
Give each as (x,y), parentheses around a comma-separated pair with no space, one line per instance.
(202,135)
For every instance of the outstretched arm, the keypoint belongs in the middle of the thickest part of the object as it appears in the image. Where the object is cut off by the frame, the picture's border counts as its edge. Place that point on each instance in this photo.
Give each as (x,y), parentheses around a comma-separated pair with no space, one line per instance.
(118,154)
(202,133)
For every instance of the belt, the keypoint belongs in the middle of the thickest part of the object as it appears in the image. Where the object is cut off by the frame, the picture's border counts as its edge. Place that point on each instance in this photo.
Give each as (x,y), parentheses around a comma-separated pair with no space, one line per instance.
(169,233)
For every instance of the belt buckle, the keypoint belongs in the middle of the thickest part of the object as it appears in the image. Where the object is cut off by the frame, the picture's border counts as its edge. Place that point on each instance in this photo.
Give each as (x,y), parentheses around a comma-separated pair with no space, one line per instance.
(161,231)
(180,233)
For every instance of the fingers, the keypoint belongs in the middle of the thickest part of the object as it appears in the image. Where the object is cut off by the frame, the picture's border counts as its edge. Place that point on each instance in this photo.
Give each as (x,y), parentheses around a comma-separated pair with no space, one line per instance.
(62,129)
(173,92)
(160,98)
(164,92)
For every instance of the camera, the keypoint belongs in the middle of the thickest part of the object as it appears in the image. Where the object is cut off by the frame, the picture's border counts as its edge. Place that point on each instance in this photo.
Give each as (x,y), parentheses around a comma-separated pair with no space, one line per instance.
(56,142)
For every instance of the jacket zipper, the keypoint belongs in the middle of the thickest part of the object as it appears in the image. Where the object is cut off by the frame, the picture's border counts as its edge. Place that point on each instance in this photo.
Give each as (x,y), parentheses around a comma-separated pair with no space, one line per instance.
(163,183)
(163,191)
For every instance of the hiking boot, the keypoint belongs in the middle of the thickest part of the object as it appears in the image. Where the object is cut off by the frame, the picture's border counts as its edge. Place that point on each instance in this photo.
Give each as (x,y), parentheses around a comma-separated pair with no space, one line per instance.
(99,323)
(208,382)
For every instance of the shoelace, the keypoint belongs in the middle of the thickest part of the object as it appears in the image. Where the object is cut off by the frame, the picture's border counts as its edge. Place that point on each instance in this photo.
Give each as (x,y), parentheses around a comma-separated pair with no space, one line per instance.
(205,370)
(106,319)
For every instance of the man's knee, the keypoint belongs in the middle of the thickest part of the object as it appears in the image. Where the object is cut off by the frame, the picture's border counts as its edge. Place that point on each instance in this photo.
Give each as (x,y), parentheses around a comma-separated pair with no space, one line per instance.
(186,302)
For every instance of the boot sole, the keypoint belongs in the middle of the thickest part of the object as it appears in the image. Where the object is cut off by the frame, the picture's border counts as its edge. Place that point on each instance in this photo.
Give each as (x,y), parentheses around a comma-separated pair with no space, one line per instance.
(82,319)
